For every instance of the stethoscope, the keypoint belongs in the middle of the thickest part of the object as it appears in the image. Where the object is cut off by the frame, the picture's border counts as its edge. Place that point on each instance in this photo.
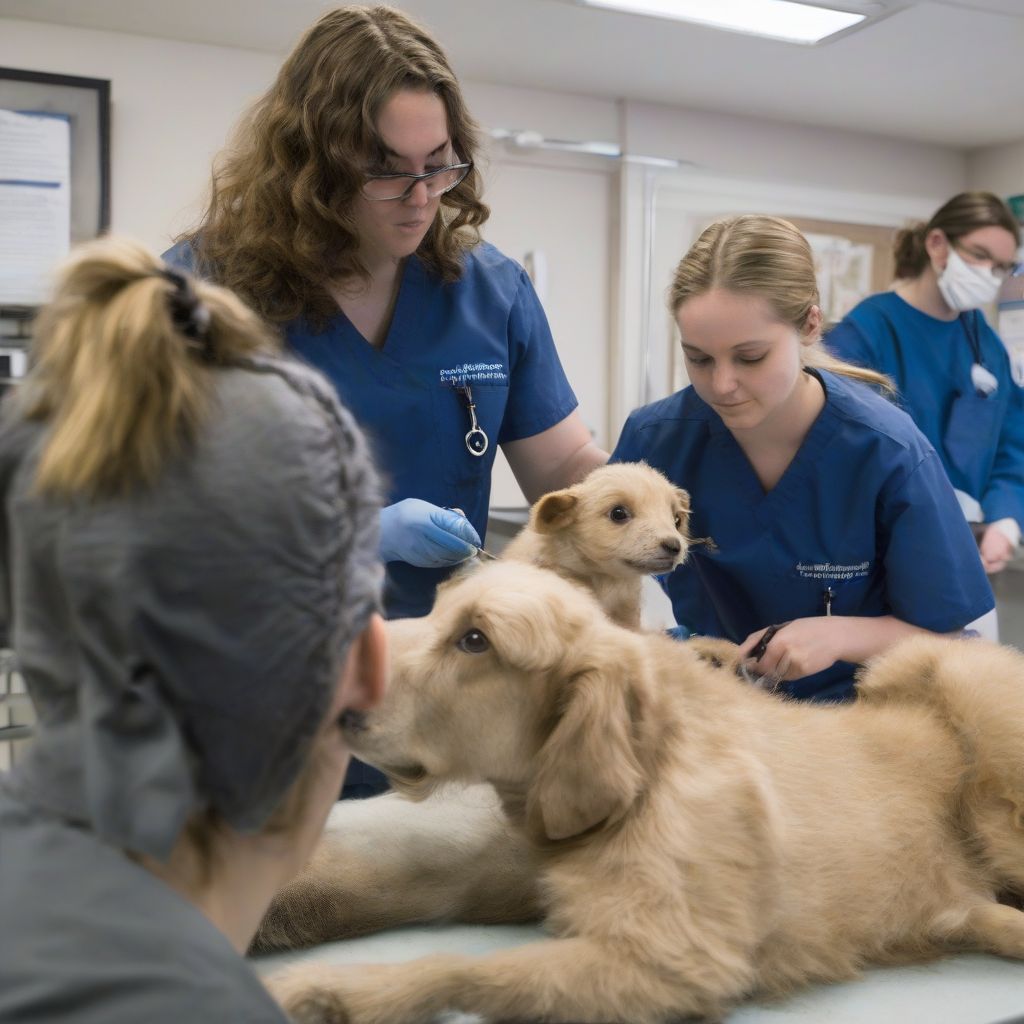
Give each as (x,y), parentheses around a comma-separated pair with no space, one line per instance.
(984,381)
(477,441)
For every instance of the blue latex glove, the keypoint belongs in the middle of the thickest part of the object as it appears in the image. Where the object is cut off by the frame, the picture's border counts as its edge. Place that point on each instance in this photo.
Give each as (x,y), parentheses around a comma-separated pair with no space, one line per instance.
(419,533)
(678,633)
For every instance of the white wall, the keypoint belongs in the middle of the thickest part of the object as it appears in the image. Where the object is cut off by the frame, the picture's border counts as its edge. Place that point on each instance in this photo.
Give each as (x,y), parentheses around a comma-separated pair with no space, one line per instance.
(756,148)
(557,115)
(566,213)
(172,105)
(999,169)
(175,102)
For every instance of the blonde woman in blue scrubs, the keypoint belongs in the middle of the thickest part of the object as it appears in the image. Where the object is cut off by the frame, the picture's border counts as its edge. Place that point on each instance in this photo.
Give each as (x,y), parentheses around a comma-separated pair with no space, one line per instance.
(831,513)
(347,212)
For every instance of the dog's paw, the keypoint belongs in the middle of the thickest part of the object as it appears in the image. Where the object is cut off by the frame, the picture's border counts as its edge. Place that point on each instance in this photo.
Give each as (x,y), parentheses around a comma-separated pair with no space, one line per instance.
(307,997)
(364,994)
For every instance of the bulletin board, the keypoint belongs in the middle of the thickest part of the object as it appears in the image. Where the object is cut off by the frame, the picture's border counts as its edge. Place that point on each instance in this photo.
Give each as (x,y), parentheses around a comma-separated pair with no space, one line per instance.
(861,262)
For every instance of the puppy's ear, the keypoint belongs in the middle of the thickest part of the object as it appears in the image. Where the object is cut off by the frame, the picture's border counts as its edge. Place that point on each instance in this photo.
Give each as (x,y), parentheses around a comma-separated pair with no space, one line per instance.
(587,772)
(555,511)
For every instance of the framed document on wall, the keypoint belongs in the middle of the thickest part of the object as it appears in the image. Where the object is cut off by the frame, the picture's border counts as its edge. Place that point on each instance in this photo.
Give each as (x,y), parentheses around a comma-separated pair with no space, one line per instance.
(54,177)
(85,102)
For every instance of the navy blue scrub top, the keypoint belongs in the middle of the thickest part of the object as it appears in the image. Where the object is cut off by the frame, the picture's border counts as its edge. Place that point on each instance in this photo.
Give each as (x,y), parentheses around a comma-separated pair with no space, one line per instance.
(863,516)
(488,330)
(979,438)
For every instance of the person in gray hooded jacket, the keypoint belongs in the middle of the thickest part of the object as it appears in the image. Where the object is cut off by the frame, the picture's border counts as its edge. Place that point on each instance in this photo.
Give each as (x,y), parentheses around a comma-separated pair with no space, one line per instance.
(188,545)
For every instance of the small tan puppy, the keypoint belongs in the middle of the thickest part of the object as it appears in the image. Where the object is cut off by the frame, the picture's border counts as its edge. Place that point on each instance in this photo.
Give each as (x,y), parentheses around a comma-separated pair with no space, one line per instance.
(698,841)
(623,522)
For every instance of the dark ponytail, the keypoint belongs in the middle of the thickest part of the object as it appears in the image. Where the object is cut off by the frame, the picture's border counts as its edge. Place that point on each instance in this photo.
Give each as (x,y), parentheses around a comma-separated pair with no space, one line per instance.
(961,215)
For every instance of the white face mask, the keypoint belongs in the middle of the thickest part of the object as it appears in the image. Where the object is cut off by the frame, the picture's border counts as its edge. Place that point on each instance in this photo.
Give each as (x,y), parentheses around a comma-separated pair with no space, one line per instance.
(967,285)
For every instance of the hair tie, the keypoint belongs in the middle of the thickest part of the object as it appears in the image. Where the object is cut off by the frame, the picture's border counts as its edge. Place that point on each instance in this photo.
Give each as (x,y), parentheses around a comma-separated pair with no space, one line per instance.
(188,314)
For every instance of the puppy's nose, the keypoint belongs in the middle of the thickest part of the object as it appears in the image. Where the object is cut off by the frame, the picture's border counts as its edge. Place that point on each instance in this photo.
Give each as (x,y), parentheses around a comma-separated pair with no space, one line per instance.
(671,546)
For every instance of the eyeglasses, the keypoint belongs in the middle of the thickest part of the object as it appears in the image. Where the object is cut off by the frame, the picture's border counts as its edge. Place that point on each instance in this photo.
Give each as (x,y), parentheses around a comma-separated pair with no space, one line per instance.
(381,187)
(978,255)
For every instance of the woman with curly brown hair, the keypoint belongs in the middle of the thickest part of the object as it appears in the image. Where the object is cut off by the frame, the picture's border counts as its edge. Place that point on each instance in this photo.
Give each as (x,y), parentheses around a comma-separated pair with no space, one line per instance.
(347,211)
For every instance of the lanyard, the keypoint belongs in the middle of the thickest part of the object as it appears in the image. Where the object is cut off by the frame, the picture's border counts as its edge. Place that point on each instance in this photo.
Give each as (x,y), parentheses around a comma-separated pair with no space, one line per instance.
(970,326)
(984,381)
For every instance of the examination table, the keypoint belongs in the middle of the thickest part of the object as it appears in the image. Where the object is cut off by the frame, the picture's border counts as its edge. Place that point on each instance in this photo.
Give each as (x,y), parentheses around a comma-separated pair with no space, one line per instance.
(965,989)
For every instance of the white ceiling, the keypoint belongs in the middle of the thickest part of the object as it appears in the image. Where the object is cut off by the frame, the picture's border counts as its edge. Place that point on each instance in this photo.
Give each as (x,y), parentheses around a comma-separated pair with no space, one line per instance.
(943,71)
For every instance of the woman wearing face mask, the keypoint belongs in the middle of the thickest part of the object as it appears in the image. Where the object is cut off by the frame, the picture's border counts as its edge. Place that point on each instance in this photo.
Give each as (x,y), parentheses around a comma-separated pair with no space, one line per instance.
(831,515)
(950,368)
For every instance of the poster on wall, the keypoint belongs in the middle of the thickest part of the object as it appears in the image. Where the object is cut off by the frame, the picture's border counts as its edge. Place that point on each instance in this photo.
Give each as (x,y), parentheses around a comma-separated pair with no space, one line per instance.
(54,178)
(844,270)
(35,203)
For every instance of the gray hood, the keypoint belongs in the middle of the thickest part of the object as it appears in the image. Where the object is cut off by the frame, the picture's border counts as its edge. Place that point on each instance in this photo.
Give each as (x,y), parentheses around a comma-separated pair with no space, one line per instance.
(181,645)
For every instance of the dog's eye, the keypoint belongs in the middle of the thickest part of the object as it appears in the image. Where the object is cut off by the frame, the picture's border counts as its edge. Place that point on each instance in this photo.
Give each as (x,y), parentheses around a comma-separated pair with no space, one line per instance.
(620,514)
(473,642)
(679,521)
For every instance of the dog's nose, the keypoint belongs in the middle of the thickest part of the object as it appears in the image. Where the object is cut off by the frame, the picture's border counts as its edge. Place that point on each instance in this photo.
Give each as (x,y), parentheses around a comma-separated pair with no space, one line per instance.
(671,546)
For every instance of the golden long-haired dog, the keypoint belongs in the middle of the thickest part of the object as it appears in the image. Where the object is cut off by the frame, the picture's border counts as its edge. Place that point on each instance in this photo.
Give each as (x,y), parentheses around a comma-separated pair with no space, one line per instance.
(697,841)
(622,522)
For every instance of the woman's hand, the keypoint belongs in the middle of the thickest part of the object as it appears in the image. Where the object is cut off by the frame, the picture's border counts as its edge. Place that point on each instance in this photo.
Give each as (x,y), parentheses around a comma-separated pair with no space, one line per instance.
(419,533)
(805,646)
(799,648)
(995,549)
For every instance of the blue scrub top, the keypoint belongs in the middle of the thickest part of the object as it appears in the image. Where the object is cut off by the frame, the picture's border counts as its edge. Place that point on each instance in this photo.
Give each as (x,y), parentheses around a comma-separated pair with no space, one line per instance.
(979,439)
(488,330)
(864,510)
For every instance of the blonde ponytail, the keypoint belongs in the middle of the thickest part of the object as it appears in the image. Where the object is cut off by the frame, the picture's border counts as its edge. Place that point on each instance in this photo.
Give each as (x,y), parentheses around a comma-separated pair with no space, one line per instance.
(121,366)
(817,357)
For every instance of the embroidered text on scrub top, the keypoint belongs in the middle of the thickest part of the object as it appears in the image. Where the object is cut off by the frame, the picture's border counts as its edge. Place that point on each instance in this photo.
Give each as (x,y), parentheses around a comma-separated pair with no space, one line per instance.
(473,373)
(832,570)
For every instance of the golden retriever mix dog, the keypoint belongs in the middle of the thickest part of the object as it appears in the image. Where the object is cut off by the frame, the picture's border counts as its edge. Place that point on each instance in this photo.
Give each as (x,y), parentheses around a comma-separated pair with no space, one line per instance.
(623,522)
(697,840)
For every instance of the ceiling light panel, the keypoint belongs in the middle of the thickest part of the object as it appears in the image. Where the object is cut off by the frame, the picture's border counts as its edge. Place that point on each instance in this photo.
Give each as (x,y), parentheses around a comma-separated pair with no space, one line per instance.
(775,19)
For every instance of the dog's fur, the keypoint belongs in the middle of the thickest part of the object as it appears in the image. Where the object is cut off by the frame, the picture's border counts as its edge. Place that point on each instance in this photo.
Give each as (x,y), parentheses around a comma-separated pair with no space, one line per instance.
(697,840)
(459,846)
(622,522)
(389,861)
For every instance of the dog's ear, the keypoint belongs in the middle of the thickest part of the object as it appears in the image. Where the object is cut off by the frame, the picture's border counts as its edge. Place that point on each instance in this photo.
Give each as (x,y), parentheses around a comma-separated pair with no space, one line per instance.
(555,511)
(587,772)
(532,634)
